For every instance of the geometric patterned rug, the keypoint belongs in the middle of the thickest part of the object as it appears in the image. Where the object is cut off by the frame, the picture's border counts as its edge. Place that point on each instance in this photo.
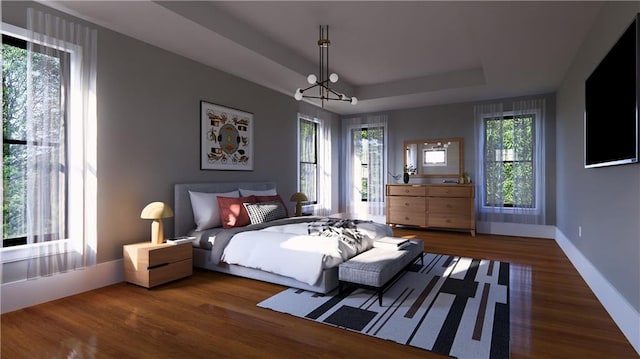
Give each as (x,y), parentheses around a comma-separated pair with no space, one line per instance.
(450,305)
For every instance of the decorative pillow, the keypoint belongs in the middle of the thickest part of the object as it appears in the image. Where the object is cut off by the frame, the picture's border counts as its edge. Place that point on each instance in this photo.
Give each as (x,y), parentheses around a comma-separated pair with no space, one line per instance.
(252,192)
(265,211)
(271,199)
(205,208)
(232,211)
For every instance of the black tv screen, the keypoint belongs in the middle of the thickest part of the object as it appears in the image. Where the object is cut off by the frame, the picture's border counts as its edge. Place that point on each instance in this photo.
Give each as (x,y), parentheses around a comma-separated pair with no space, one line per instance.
(611,105)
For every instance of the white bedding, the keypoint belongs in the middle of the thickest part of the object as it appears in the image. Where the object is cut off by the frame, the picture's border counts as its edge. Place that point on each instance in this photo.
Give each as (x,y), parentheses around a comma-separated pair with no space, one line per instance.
(289,251)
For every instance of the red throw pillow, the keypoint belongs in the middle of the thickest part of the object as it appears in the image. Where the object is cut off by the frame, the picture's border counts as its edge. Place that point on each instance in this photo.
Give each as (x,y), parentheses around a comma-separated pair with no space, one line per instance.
(272,198)
(232,212)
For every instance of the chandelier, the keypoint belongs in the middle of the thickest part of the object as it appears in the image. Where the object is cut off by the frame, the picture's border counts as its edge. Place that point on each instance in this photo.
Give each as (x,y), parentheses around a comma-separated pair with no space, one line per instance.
(325,92)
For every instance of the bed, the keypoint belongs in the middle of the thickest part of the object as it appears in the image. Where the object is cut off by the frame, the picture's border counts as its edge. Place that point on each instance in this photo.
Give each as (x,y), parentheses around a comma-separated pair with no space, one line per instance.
(254,250)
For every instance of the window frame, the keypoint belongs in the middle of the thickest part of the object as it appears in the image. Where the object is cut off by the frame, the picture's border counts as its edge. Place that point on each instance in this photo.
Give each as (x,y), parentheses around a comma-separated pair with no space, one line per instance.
(75,130)
(316,126)
(537,141)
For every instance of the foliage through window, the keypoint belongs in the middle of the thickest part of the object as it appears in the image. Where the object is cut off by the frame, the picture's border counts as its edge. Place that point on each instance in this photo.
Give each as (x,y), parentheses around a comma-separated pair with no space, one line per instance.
(25,143)
(509,150)
(368,147)
(308,139)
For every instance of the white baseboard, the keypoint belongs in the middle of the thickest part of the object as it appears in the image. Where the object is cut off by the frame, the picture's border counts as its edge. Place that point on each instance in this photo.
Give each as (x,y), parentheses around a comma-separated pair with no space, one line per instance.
(25,293)
(624,314)
(516,229)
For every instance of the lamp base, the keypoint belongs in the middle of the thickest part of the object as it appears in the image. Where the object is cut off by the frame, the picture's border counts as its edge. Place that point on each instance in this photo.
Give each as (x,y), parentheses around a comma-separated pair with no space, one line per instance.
(298,209)
(157,232)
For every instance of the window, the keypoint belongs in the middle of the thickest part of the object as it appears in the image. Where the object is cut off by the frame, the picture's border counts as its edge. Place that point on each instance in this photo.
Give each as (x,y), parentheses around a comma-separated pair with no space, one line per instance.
(27,146)
(308,142)
(510,172)
(434,157)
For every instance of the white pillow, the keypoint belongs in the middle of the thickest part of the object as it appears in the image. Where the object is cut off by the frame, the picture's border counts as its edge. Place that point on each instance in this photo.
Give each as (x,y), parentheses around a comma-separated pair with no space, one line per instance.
(206,212)
(251,192)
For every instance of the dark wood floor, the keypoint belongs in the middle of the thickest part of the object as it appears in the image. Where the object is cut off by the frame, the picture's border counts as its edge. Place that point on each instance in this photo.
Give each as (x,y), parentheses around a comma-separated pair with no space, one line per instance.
(212,315)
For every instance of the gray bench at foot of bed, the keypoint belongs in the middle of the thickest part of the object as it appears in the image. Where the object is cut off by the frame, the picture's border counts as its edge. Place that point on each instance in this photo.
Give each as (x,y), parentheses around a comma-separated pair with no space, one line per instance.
(378,267)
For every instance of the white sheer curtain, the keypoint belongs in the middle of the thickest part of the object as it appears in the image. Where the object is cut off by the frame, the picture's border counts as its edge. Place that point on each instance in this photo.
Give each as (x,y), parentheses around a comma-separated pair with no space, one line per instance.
(511,165)
(61,155)
(365,164)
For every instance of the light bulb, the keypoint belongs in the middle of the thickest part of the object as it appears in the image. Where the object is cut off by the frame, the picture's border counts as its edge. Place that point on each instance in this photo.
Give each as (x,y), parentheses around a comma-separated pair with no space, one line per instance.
(298,95)
(311,79)
(354,100)
(333,78)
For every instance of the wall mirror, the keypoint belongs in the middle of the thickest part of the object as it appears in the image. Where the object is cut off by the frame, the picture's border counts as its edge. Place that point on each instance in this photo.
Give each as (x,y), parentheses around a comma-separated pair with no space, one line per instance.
(436,157)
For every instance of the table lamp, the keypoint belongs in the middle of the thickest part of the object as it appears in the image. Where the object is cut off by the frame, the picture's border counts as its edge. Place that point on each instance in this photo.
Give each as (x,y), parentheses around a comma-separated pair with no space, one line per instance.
(298,197)
(156,211)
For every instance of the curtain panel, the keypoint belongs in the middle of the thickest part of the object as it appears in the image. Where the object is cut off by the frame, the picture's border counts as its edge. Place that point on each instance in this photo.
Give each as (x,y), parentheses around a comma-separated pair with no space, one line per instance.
(511,162)
(61,145)
(365,164)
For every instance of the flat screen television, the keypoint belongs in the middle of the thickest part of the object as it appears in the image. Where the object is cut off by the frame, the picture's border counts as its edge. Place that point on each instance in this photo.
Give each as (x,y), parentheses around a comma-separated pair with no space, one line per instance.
(611,105)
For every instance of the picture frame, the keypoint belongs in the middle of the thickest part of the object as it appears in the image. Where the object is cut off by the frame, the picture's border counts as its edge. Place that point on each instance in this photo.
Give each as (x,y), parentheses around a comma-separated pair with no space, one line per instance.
(226,138)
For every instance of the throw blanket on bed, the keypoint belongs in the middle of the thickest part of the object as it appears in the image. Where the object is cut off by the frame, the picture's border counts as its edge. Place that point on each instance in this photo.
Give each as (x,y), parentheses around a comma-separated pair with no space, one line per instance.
(289,249)
(345,230)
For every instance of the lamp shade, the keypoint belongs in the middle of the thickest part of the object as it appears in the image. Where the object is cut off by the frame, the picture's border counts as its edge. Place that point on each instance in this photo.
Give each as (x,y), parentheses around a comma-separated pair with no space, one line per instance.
(299,197)
(155,210)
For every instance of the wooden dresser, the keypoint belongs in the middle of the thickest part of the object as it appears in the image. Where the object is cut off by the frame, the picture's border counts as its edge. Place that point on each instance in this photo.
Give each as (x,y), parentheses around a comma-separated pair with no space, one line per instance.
(447,206)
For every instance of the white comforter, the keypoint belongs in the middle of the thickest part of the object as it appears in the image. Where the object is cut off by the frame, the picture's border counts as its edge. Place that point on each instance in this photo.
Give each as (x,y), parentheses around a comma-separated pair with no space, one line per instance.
(289,251)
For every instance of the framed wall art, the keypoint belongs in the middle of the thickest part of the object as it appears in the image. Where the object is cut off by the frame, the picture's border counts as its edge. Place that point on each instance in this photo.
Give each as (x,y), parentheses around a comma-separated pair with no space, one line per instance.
(226,138)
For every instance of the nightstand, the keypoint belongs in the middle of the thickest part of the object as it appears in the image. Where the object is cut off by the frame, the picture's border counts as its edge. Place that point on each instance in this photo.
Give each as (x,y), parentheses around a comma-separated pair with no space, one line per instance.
(148,264)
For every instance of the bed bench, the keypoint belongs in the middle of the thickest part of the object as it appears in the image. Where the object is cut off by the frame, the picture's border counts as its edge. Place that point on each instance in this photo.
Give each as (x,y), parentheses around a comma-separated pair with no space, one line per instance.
(377,268)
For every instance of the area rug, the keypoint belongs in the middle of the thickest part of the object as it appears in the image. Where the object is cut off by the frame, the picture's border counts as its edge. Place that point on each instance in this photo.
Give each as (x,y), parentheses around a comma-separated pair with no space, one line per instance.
(449,305)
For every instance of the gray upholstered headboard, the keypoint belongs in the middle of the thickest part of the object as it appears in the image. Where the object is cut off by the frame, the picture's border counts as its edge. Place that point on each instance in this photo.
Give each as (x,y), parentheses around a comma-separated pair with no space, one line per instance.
(183,214)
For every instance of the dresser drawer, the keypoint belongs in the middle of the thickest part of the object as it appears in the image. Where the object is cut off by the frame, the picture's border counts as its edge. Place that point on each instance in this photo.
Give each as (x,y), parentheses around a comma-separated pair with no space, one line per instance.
(407,190)
(450,191)
(450,212)
(458,206)
(448,221)
(407,217)
(405,203)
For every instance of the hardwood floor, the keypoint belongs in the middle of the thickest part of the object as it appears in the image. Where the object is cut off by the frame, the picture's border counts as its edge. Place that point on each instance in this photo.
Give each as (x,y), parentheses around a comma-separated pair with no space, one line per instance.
(553,315)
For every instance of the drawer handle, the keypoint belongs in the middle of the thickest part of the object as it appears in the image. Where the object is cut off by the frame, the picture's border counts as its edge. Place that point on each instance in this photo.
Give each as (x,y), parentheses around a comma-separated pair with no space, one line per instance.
(407,218)
(157,266)
(406,203)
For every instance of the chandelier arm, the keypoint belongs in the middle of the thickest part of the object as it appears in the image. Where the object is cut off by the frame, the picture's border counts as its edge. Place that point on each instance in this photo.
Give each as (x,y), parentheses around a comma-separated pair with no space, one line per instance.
(325,93)
(310,87)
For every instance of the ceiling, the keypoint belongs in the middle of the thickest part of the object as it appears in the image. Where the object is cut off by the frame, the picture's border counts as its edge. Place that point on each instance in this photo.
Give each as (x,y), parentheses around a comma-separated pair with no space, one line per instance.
(389,54)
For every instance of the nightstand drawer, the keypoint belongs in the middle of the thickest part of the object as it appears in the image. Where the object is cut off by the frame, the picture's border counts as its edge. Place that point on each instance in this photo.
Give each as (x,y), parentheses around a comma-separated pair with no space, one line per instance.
(168,254)
(169,272)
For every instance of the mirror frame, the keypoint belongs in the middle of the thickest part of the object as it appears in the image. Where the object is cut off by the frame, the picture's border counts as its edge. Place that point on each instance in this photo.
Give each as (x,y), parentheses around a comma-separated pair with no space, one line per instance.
(460,172)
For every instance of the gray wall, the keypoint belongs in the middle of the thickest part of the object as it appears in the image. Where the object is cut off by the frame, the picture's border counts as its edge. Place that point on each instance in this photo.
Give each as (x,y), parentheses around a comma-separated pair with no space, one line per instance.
(604,201)
(457,120)
(148,130)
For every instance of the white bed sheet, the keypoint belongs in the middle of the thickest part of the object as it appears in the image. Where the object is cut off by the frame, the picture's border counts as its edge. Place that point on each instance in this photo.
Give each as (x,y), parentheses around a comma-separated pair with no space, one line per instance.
(288,250)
